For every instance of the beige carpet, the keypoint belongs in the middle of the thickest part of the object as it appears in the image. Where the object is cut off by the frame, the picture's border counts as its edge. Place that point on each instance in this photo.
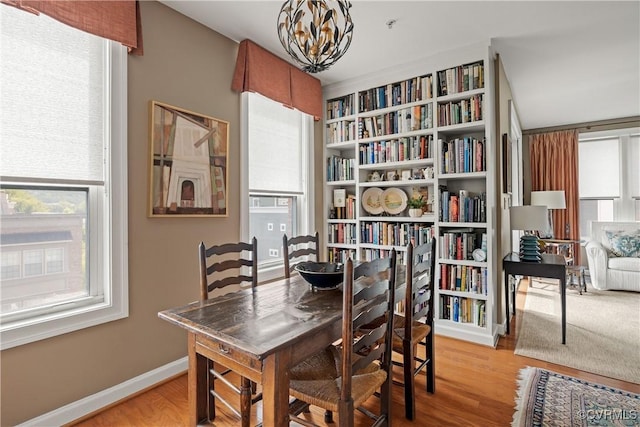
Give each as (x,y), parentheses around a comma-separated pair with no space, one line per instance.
(603,330)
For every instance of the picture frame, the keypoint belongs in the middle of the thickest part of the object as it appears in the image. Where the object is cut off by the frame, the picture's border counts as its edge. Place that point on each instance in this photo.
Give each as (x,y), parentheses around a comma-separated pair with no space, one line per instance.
(506,163)
(188,158)
(405,174)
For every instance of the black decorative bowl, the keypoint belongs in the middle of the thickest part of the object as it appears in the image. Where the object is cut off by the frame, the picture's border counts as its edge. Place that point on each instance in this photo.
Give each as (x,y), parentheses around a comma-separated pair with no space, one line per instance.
(321,275)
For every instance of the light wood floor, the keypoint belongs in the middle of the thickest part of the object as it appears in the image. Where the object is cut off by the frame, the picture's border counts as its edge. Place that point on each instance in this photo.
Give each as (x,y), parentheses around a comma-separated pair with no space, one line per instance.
(475,386)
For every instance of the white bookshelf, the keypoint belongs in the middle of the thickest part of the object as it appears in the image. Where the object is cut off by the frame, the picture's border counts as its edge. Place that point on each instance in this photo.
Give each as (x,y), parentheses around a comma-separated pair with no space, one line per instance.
(367,128)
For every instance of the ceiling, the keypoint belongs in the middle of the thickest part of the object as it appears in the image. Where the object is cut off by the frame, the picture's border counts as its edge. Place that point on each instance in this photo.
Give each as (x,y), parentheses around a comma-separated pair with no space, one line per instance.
(568,62)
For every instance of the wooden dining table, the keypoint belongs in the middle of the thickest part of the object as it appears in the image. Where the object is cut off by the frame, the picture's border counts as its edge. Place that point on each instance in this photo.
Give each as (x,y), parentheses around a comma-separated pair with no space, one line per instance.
(260,334)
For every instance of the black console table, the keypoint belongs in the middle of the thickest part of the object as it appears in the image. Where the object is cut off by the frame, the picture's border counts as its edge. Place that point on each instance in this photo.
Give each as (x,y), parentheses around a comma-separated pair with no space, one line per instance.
(552,267)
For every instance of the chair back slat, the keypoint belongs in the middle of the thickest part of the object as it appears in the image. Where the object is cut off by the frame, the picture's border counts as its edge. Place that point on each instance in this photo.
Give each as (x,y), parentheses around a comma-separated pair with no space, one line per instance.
(298,249)
(222,265)
(229,248)
(228,265)
(231,280)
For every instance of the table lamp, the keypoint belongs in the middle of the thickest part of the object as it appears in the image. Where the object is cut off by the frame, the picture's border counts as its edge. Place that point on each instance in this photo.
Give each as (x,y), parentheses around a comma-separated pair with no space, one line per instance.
(552,200)
(529,219)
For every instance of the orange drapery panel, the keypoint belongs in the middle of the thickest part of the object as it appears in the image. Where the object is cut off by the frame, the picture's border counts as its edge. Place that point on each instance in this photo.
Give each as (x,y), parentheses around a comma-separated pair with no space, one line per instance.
(258,70)
(554,166)
(113,20)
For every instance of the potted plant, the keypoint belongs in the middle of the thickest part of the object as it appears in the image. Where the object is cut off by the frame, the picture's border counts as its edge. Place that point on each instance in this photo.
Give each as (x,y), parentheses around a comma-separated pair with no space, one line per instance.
(415,205)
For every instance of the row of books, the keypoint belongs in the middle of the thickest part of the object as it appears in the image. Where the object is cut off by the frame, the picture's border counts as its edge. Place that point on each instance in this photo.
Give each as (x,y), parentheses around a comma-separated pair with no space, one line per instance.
(463,310)
(459,245)
(396,150)
(395,234)
(340,255)
(341,132)
(412,90)
(405,120)
(340,107)
(462,206)
(464,278)
(463,111)
(342,233)
(369,254)
(344,205)
(340,169)
(460,79)
(463,155)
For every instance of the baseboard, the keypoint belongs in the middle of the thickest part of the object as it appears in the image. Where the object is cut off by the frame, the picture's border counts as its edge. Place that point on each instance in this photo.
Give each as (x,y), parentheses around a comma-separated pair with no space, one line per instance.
(83,407)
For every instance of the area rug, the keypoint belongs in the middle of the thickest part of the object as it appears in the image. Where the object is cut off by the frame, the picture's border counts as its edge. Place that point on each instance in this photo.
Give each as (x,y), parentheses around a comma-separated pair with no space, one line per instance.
(603,330)
(546,398)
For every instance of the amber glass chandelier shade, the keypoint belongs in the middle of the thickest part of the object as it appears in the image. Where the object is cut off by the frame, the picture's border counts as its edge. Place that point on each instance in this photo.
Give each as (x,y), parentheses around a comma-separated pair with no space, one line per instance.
(315,33)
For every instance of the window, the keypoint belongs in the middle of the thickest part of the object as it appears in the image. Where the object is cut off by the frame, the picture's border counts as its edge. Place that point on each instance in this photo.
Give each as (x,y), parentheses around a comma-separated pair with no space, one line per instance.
(609,179)
(277,158)
(63,188)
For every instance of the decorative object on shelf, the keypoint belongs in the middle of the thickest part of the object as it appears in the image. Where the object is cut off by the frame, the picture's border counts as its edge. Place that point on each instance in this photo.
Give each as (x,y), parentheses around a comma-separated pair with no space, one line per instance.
(188,163)
(394,200)
(372,201)
(321,275)
(416,203)
(315,33)
(529,219)
(479,255)
(392,176)
(406,175)
(427,172)
(375,176)
(552,200)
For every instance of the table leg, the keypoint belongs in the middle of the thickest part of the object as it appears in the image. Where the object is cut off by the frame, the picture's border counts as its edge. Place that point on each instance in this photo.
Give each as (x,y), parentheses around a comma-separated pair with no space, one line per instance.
(197,388)
(506,298)
(275,389)
(513,297)
(563,304)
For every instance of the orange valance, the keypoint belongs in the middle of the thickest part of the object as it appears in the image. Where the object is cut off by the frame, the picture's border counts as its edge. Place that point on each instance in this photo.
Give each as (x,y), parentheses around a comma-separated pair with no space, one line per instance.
(258,70)
(113,20)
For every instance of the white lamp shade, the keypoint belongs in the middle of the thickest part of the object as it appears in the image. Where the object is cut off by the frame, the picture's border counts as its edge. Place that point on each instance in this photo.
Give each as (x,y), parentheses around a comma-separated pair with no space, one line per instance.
(528,217)
(550,199)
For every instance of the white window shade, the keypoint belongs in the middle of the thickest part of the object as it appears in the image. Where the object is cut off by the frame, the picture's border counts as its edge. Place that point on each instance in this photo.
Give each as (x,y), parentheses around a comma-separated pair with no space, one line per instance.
(275,151)
(40,91)
(599,169)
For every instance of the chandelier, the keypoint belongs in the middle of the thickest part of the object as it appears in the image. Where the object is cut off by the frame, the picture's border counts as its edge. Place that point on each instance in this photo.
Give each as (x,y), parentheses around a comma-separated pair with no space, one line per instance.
(314,33)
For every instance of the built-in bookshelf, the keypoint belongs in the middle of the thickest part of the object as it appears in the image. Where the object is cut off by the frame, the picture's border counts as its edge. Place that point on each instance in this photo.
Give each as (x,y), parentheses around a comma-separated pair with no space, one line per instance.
(419,131)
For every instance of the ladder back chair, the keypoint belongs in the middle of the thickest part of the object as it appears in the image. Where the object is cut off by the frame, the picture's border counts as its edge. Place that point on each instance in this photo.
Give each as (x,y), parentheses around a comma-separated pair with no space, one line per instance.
(294,248)
(222,266)
(346,376)
(415,327)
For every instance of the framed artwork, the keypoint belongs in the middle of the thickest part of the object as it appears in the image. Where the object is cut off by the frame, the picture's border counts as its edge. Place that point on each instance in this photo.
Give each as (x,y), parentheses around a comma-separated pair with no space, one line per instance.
(188,163)
(506,163)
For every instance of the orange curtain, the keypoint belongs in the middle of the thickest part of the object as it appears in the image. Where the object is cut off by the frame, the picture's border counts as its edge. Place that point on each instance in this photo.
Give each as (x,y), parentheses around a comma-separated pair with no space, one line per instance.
(258,70)
(113,20)
(554,166)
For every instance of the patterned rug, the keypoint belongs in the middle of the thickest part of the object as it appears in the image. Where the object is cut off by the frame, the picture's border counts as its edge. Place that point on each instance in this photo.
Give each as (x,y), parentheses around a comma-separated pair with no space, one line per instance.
(547,398)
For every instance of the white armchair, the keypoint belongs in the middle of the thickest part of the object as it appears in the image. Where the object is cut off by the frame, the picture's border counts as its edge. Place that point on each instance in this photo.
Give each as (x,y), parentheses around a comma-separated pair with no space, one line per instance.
(609,267)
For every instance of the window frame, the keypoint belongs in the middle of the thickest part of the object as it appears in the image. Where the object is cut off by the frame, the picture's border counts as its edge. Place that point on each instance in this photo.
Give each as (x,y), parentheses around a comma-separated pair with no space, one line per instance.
(108,232)
(304,203)
(624,206)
